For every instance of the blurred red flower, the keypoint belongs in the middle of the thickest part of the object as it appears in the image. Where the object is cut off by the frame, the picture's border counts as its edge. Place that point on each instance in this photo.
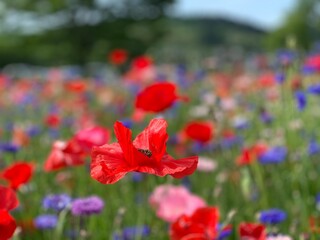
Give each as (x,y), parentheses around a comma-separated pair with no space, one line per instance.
(7,225)
(147,153)
(17,174)
(8,201)
(118,56)
(52,120)
(64,154)
(76,86)
(254,231)
(95,136)
(157,97)
(141,62)
(199,131)
(201,225)
(251,154)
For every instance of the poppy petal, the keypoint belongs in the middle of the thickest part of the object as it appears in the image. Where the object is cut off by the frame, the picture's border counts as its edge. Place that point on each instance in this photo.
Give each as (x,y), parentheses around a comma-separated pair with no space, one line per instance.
(18,174)
(7,225)
(108,164)
(176,168)
(153,138)
(124,136)
(8,199)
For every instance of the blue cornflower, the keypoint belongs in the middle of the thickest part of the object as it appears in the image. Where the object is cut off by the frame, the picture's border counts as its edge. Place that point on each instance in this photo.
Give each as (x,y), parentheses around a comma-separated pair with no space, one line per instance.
(301,100)
(48,221)
(56,202)
(314,89)
(9,147)
(272,216)
(274,155)
(313,147)
(130,233)
(280,77)
(224,232)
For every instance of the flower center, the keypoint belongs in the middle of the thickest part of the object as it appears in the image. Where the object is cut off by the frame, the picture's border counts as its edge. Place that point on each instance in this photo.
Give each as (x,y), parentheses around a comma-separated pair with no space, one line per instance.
(146,152)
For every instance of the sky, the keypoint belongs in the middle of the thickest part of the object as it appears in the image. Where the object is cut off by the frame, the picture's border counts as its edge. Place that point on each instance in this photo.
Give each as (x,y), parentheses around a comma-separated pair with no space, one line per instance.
(267,14)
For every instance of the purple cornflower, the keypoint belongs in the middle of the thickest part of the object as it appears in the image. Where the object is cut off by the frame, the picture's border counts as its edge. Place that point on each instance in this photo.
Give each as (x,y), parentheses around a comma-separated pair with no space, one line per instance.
(56,202)
(48,221)
(272,216)
(87,206)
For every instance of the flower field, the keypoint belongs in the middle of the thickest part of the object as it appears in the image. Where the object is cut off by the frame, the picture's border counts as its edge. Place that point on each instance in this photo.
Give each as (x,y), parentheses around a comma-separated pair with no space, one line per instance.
(207,151)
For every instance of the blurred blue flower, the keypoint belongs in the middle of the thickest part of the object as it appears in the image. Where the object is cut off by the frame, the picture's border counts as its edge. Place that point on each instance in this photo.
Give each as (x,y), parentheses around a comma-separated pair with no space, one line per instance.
(131,233)
(224,232)
(33,131)
(9,147)
(274,155)
(301,100)
(46,221)
(314,89)
(56,202)
(280,77)
(137,176)
(87,206)
(266,117)
(272,216)
(229,142)
(313,148)
(127,123)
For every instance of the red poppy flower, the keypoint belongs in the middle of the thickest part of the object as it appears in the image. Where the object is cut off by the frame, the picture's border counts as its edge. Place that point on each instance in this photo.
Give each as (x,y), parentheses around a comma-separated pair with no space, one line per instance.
(95,136)
(76,86)
(157,97)
(17,174)
(202,225)
(141,62)
(7,225)
(267,80)
(252,231)
(8,199)
(64,154)
(199,131)
(118,56)
(147,153)
(52,120)
(250,155)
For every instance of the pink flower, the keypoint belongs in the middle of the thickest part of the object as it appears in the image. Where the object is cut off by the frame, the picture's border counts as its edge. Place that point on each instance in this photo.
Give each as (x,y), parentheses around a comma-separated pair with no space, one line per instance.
(279,237)
(172,201)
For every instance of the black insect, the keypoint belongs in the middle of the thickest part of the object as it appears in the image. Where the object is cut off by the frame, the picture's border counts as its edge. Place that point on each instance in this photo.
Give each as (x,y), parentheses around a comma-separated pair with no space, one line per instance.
(146,152)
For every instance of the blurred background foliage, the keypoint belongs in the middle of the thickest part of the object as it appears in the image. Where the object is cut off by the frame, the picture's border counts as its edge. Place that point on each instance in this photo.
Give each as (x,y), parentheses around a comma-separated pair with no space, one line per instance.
(59,32)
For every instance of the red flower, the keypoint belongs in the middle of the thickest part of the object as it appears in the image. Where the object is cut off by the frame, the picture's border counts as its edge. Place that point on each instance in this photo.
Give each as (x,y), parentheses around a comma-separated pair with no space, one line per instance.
(118,56)
(7,225)
(141,62)
(202,225)
(64,154)
(52,120)
(8,201)
(147,153)
(95,136)
(76,86)
(199,131)
(17,174)
(157,97)
(250,155)
(252,231)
